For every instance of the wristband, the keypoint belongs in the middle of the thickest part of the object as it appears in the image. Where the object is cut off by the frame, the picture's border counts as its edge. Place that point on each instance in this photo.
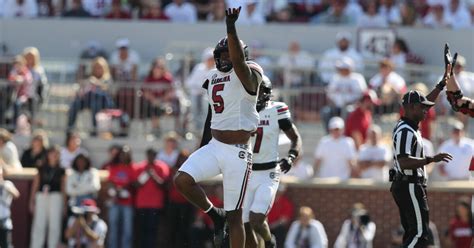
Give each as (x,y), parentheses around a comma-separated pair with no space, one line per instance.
(440,86)
(293,153)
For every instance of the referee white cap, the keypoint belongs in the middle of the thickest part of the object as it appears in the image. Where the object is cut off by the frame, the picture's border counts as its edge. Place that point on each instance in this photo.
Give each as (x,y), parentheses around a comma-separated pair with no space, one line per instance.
(414,96)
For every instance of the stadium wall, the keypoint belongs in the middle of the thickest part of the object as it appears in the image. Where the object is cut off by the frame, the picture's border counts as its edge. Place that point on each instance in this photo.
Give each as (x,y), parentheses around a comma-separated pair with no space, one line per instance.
(65,38)
(330,199)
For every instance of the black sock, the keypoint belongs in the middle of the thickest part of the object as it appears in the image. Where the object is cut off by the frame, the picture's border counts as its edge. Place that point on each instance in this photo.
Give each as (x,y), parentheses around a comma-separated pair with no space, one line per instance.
(217,215)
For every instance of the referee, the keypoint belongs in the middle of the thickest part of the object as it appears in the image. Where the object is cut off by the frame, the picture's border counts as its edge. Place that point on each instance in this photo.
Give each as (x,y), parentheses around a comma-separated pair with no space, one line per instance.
(408,175)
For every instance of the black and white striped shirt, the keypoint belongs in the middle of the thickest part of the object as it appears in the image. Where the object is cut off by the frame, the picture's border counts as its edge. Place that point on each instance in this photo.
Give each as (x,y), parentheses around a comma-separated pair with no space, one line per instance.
(407,141)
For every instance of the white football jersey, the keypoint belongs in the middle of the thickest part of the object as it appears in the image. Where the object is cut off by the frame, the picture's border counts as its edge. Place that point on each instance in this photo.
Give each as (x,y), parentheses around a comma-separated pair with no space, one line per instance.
(265,140)
(233,108)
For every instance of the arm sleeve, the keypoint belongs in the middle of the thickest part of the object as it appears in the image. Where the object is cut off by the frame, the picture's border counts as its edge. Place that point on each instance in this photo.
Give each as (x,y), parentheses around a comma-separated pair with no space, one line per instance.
(285,124)
(341,241)
(403,142)
(70,189)
(101,231)
(206,135)
(283,111)
(318,236)
(291,236)
(369,232)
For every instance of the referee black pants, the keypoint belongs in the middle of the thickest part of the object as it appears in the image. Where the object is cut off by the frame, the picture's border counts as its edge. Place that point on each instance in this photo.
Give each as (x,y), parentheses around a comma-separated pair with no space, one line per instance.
(412,203)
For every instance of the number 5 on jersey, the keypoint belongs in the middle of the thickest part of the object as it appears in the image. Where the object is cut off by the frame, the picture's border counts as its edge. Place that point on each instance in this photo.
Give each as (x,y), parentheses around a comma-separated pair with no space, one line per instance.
(217,99)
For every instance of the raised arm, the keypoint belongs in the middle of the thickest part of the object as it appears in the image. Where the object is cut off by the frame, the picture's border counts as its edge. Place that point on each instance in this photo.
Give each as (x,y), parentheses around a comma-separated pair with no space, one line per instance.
(448,63)
(250,78)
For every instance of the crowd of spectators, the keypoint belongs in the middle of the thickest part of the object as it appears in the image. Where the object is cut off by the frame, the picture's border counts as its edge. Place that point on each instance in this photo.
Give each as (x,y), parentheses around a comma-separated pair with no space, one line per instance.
(457,14)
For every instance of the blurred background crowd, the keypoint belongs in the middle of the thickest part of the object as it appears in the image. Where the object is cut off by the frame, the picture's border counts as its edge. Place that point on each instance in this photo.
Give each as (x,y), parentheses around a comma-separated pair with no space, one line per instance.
(457,14)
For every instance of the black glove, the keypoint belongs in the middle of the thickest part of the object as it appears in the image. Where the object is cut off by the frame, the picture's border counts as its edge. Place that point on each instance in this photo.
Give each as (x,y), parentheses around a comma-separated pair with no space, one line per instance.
(286,163)
(447,55)
(448,59)
(455,58)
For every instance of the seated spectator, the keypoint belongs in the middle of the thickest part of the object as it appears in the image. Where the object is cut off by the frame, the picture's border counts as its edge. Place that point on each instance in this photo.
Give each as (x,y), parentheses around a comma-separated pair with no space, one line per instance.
(47,201)
(8,192)
(181,11)
(217,13)
(124,66)
(303,10)
(85,228)
(354,10)
(301,169)
(296,64)
(283,15)
(462,150)
(437,17)
(459,14)
(158,93)
(336,14)
(326,67)
(76,10)
(401,55)
(117,11)
(20,9)
(40,81)
(97,8)
(193,85)
(306,231)
(35,155)
(344,89)
(358,231)
(335,155)
(120,199)
(92,94)
(151,178)
(389,86)
(21,79)
(251,15)
(373,157)
(359,120)
(71,149)
(460,229)
(398,54)
(9,159)
(92,50)
(82,182)
(408,13)
(152,11)
(280,215)
(370,18)
(124,62)
(390,10)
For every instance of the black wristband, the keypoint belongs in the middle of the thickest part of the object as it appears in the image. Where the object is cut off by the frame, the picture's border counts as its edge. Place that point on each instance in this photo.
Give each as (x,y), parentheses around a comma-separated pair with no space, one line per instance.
(458,94)
(293,153)
(440,86)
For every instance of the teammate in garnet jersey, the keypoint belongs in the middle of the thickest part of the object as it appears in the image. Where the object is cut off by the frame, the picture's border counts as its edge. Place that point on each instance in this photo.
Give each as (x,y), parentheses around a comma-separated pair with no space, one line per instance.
(266,169)
(232,90)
